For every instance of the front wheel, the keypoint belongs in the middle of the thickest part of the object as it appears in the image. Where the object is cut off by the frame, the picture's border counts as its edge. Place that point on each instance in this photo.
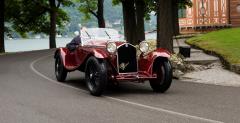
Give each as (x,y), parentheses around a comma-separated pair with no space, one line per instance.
(163,70)
(60,71)
(96,76)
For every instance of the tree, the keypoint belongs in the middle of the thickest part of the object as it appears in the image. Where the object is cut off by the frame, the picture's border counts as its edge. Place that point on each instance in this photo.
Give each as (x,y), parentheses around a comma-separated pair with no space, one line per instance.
(165,24)
(54,11)
(178,4)
(33,15)
(129,21)
(53,8)
(95,8)
(140,14)
(133,18)
(2,49)
(175,17)
(100,15)
(167,19)
(53,16)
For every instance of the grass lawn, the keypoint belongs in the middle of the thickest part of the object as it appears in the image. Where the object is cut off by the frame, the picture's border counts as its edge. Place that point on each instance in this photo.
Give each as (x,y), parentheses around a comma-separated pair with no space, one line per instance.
(224,42)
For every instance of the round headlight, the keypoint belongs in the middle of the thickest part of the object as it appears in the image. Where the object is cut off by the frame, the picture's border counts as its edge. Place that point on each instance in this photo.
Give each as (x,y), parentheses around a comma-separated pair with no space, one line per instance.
(143,46)
(111,47)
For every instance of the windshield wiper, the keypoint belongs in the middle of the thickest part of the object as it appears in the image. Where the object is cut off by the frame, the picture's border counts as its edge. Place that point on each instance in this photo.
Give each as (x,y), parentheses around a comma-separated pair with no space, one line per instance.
(108,35)
(88,34)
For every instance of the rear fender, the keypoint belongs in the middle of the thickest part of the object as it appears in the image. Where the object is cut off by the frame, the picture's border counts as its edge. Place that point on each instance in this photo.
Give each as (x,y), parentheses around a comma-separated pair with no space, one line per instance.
(146,62)
(62,53)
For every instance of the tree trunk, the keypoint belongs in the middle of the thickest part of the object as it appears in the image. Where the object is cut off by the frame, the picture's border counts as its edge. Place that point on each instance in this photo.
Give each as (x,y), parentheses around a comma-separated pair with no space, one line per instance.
(140,11)
(2,49)
(175,18)
(164,25)
(53,17)
(129,19)
(100,15)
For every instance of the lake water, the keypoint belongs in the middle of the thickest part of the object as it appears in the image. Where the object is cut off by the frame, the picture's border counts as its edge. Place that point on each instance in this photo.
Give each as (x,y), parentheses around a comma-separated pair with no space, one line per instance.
(18,45)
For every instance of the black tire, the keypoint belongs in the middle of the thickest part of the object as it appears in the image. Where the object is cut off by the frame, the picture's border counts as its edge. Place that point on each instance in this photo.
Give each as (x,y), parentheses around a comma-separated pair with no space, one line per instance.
(96,76)
(60,71)
(163,69)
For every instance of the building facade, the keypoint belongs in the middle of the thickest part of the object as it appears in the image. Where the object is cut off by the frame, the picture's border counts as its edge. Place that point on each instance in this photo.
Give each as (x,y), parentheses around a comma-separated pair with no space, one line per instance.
(207,14)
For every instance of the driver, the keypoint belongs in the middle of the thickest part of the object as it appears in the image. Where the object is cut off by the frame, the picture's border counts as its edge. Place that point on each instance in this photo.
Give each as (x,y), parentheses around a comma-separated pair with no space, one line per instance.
(76,41)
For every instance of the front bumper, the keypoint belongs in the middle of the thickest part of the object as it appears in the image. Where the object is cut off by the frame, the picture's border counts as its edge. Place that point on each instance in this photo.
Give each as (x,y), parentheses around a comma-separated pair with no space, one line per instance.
(137,76)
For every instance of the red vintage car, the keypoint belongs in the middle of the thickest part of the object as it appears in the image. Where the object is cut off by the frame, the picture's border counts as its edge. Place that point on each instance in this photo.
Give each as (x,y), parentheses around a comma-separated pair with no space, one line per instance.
(105,59)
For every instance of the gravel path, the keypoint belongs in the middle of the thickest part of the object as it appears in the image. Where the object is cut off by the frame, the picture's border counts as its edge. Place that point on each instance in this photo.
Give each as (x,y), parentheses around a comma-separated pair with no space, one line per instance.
(214,74)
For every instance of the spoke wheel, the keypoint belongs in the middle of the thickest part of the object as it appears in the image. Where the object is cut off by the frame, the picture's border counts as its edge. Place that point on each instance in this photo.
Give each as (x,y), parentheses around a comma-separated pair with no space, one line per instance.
(163,70)
(96,76)
(60,71)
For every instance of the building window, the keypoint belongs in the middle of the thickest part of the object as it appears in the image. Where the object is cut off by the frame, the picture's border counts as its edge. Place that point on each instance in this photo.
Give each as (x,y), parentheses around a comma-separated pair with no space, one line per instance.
(223,7)
(182,13)
(215,7)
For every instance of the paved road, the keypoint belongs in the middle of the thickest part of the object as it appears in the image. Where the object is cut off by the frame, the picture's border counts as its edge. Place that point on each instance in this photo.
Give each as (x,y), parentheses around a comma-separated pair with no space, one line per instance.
(30,94)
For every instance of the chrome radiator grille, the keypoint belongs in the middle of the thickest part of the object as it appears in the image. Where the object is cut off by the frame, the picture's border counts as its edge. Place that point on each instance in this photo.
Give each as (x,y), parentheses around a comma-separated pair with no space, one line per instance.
(127,60)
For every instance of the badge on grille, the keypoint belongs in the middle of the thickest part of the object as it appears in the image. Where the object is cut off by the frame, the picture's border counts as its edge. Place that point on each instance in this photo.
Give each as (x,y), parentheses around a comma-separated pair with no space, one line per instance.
(123,65)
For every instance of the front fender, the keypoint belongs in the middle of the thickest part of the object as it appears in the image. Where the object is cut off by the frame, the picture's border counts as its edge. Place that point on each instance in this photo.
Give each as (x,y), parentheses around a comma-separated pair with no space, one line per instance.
(146,61)
(159,52)
(100,53)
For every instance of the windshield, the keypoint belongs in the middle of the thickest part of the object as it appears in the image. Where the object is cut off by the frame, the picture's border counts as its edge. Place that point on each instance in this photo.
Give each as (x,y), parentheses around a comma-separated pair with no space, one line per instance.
(100,33)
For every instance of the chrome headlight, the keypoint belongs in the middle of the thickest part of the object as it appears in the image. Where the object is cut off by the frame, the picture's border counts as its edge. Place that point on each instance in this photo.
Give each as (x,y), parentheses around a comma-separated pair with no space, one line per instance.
(111,47)
(144,46)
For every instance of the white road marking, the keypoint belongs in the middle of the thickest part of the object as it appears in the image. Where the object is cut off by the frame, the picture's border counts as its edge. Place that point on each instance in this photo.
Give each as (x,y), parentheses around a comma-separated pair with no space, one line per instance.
(121,100)
(49,79)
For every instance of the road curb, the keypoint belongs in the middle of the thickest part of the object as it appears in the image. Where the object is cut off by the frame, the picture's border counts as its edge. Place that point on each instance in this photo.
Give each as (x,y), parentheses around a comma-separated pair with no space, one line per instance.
(235,68)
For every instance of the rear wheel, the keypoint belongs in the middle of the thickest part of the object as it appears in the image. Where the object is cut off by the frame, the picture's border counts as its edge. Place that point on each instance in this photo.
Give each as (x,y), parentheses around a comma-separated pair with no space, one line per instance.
(96,76)
(163,70)
(60,71)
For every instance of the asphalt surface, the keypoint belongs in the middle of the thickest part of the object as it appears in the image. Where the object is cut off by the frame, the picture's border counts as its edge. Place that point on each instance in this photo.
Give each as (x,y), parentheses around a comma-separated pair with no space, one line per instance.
(30,94)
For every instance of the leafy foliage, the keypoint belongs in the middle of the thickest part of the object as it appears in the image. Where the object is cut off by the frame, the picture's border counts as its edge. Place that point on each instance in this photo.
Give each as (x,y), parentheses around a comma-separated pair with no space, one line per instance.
(33,15)
(87,7)
(85,16)
(151,5)
(184,3)
(112,12)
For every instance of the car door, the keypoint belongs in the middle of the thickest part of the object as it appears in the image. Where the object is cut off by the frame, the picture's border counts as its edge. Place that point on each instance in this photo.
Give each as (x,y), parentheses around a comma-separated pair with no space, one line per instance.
(80,55)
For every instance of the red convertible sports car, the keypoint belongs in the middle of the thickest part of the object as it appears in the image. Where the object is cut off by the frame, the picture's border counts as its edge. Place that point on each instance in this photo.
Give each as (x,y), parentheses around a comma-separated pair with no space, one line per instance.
(105,59)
